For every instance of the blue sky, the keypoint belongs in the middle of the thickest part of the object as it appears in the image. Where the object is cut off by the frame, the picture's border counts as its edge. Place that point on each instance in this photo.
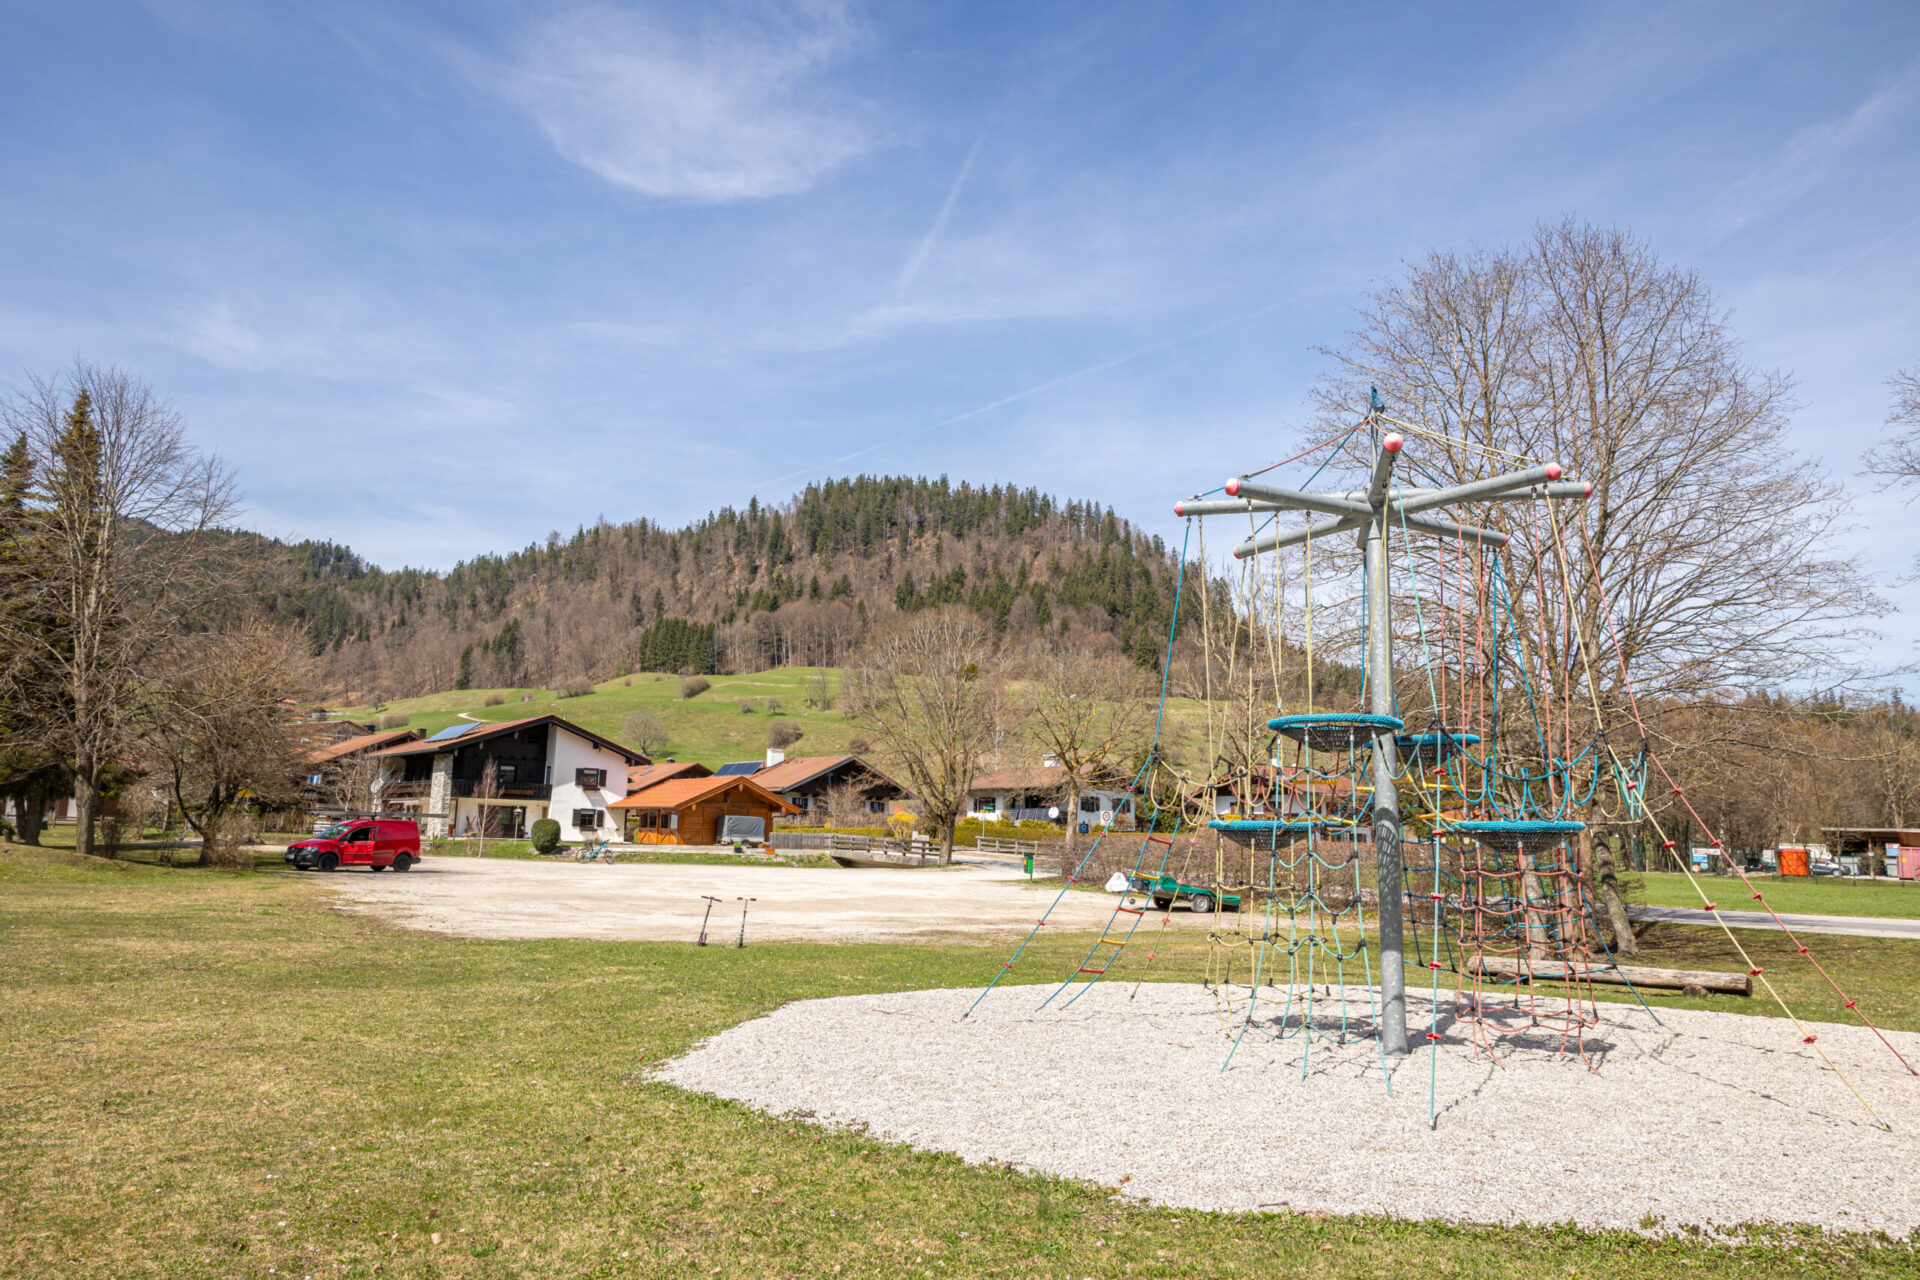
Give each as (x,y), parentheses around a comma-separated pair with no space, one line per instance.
(438,279)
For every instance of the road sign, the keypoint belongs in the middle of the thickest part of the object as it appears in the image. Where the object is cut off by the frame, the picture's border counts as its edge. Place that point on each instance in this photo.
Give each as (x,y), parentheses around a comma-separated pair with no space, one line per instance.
(1106,817)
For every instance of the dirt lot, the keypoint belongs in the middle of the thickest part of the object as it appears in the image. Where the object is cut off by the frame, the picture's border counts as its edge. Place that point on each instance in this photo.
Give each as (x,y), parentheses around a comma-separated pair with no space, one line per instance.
(663,902)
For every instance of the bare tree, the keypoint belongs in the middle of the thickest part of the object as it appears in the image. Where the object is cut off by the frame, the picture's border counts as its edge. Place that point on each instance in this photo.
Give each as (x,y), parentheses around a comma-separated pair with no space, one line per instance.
(929,693)
(217,724)
(1900,460)
(350,782)
(645,732)
(1703,562)
(123,508)
(1086,706)
(484,791)
(1712,545)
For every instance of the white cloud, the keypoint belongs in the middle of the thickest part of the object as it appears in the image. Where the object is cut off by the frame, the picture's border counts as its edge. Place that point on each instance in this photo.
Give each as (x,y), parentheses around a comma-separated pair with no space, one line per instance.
(736,109)
(1816,153)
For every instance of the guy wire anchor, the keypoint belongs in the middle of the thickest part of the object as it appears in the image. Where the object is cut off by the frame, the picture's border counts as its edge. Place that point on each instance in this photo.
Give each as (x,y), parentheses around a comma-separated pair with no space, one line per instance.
(743,921)
(703,919)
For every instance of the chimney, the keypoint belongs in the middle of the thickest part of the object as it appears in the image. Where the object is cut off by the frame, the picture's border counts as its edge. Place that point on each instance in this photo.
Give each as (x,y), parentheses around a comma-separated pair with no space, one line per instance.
(774,756)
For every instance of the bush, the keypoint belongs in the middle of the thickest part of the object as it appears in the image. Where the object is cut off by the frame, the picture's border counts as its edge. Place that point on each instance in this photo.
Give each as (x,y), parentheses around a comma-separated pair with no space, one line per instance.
(746,706)
(773,706)
(694,686)
(493,699)
(782,734)
(578,687)
(544,835)
(392,720)
(526,697)
(858,746)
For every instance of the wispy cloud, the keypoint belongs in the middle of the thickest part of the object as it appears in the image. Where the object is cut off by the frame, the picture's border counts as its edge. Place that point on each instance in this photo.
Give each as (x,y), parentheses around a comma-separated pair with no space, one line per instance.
(1060,380)
(1816,153)
(918,258)
(736,108)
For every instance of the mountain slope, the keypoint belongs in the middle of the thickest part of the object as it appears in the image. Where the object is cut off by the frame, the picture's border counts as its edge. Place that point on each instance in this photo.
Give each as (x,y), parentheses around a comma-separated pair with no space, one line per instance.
(796,584)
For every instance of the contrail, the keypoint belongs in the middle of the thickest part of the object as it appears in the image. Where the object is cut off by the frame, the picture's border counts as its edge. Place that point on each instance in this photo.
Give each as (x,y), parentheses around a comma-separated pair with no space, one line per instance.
(1048,385)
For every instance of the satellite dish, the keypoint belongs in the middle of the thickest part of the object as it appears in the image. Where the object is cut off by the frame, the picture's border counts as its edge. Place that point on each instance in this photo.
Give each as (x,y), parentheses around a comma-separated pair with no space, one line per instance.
(1053,814)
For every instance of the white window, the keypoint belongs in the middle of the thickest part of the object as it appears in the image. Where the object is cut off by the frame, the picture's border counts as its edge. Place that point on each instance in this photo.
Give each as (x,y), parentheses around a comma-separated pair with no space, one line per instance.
(586,819)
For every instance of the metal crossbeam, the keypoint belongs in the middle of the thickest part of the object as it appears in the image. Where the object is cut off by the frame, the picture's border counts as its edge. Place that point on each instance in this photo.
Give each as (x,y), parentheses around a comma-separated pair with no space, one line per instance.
(1374,512)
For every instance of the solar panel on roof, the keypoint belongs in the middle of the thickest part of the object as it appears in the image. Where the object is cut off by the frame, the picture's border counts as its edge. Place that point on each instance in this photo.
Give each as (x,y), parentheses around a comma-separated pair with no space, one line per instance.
(738,769)
(453,731)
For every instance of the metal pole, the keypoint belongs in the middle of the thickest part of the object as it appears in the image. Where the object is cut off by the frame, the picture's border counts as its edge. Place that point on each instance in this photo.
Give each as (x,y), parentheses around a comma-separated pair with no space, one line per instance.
(1390,908)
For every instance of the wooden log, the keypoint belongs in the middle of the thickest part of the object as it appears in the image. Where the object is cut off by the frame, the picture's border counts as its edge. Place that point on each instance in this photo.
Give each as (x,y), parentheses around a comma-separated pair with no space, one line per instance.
(1736,984)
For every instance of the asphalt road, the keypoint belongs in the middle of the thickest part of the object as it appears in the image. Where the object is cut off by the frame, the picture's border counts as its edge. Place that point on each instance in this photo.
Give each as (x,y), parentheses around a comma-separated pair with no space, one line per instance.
(1859,926)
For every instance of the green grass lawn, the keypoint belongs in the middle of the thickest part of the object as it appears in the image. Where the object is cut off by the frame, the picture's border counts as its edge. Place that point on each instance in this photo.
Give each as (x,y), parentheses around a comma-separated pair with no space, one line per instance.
(1826,895)
(710,728)
(219,1074)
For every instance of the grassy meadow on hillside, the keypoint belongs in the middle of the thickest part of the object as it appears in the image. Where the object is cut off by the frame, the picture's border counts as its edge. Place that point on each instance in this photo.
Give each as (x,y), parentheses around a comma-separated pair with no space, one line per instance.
(710,728)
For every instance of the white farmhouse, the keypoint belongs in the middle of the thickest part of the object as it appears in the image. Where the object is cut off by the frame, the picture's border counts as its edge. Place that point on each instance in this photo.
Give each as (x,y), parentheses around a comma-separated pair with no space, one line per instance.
(514,772)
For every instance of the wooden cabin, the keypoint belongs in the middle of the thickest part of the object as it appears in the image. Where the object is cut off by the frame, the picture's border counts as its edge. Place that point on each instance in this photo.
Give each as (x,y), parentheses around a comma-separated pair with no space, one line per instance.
(694,810)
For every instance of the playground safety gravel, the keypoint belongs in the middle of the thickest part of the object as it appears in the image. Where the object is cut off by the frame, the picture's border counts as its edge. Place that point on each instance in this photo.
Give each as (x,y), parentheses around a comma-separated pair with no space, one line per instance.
(1711,1120)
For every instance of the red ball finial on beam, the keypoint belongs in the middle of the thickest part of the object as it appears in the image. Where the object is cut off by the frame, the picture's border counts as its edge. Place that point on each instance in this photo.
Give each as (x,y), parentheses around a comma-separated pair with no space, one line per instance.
(1393,442)
(1233,487)
(1553,471)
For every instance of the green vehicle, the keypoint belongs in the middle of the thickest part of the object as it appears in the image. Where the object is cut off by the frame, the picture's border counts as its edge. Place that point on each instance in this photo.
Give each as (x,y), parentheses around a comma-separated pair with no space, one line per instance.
(1167,890)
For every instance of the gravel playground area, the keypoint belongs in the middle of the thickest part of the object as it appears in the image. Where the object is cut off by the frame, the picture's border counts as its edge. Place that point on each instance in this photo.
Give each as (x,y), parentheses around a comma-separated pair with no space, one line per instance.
(508,898)
(1714,1119)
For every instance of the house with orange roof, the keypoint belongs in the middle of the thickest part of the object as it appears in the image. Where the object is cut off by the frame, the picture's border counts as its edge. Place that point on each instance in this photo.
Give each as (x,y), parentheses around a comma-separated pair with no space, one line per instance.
(697,811)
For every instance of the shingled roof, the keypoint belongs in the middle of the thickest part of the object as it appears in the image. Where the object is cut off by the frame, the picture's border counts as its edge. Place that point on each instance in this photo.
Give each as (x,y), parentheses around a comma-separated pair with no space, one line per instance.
(355,745)
(681,793)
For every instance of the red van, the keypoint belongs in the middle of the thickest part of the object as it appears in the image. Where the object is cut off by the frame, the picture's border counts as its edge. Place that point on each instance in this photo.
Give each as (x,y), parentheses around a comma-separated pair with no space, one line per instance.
(372,843)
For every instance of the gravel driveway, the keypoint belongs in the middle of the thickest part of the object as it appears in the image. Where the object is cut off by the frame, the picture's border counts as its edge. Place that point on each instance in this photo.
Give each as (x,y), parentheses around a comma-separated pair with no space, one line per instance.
(1713,1118)
(507,898)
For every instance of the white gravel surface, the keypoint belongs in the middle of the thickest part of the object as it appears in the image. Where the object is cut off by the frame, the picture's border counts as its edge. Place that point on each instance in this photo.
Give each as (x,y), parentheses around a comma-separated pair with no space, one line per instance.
(510,898)
(1713,1119)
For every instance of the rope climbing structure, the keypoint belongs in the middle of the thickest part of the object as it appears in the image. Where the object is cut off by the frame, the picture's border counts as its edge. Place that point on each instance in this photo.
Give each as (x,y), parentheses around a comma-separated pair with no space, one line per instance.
(1356,829)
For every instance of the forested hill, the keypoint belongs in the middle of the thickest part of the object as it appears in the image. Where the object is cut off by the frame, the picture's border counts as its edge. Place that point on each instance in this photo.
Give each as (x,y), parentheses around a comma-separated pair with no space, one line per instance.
(739,590)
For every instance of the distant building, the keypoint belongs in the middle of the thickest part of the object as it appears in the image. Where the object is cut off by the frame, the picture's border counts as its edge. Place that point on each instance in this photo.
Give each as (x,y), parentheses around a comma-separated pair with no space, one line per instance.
(808,783)
(698,811)
(543,767)
(1040,793)
(642,776)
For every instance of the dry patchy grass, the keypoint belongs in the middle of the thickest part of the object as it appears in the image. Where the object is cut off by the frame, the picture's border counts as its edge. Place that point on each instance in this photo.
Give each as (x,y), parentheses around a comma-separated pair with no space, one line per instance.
(218,1074)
